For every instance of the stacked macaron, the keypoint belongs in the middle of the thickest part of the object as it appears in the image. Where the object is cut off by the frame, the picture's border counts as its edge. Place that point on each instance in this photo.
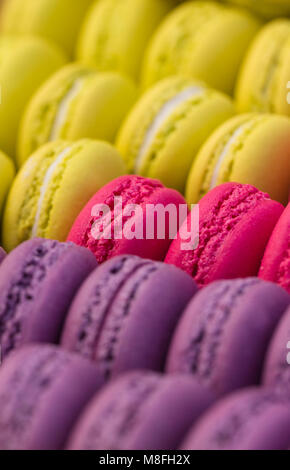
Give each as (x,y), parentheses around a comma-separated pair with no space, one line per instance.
(144,183)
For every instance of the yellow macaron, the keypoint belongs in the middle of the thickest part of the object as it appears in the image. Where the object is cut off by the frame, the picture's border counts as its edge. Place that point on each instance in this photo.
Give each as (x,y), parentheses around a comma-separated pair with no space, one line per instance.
(53,186)
(7,173)
(77,102)
(266,8)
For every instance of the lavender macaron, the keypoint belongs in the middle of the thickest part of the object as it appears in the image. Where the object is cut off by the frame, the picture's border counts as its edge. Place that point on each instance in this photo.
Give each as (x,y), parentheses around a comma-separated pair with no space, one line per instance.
(2,254)
(277,364)
(37,283)
(251,419)
(224,333)
(124,315)
(141,411)
(43,389)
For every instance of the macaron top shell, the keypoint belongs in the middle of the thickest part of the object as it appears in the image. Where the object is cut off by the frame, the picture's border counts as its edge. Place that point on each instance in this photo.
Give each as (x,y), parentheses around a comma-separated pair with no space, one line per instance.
(7,172)
(252,419)
(43,389)
(267,8)
(76,102)
(53,186)
(250,149)
(26,62)
(265,71)
(115,34)
(57,20)
(172,119)
(276,261)
(234,219)
(2,254)
(140,411)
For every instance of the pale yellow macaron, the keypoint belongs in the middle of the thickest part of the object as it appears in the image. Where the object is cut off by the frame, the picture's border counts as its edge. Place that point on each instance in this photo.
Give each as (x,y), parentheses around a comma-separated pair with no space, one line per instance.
(7,172)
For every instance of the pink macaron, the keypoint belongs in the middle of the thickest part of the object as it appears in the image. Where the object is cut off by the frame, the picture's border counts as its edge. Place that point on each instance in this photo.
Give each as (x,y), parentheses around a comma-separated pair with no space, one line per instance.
(116,220)
(275,265)
(235,224)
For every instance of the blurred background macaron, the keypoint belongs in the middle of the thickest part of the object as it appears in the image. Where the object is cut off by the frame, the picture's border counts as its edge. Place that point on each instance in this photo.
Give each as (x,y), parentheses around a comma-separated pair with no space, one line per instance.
(57,20)
(265,73)
(26,62)
(165,129)
(7,172)
(75,103)
(250,149)
(115,33)
(202,40)
(54,185)
(265,8)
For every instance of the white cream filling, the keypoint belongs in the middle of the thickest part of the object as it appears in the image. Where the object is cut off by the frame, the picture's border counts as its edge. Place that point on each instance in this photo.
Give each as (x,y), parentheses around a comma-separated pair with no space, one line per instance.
(46,181)
(239,131)
(165,112)
(64,107)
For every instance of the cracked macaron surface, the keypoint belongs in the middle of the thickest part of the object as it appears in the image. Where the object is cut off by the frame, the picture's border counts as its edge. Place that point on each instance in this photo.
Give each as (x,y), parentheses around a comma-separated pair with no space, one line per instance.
(221,328)
(76,102)
(44,398)
(134,412)
(132,317)
(235,224)
(173,118)
(30,277)
(54,185)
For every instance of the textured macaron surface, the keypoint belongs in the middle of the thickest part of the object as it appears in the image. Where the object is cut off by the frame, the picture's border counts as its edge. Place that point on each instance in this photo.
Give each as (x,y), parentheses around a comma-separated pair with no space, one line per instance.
(29,276)
(223,335)
(253,419)
(119,310)
(135,411)
(236,222)
(276,261)
(165,129)
(120,193)
(42,390)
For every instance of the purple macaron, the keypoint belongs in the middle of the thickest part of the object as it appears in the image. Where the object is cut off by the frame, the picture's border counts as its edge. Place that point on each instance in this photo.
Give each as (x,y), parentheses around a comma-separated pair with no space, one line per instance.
(43,389)
(125,313)
(251,419)
(2,254)
(141,410)
(277,364)
(37,283)
(224,333)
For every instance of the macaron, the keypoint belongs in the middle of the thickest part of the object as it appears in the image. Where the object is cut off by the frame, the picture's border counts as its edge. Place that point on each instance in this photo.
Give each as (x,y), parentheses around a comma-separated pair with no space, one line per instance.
(119,317)
(7,173)
(224,333)
(252,419)
(43,389)
(115,34)
(76,102)
(277,363)
(165,129)
(141,410)
(2,254)
(57,20)
(38,281)
(202,40)
(26,62)
(118,219)
(266,8)
(54,185)
(235,224)
(251,149)
(266,70)
(276,261)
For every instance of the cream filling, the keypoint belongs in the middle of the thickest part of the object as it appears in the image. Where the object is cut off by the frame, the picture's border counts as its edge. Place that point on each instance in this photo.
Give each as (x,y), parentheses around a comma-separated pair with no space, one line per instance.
(64,108)
(238,132)
(46,181)
(165,112)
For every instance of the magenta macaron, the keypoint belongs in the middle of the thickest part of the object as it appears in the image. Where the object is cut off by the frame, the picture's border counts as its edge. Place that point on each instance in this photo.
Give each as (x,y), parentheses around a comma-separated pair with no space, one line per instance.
(236,222)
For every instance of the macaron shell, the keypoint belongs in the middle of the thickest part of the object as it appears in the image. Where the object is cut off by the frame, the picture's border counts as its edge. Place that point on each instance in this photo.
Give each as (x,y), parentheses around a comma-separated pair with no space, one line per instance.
(88,166)
(276,261)
(7,172)
(2,254)
(115,34)
(260,157)
(45,18)
(25,64)
(267,8)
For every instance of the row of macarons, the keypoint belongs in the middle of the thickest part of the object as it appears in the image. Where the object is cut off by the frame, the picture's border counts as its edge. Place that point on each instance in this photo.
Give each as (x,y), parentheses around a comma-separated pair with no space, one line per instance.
(139,369)
(223,35)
